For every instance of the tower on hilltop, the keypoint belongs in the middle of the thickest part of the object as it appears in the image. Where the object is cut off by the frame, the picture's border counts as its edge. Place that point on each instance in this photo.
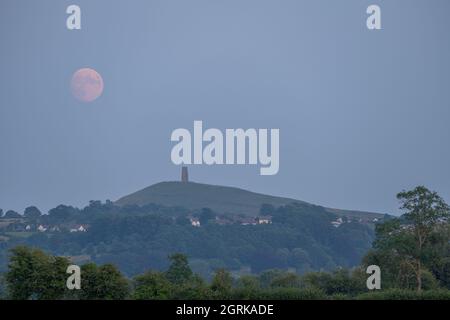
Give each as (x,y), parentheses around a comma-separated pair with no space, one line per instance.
(184,174)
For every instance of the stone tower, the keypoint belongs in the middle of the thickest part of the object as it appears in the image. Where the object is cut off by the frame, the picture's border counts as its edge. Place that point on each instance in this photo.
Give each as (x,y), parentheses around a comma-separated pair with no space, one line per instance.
(184,174)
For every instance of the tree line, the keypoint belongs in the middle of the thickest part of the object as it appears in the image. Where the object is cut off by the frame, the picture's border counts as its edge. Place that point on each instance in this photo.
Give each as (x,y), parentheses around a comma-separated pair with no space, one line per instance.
(412,251)
(301,237)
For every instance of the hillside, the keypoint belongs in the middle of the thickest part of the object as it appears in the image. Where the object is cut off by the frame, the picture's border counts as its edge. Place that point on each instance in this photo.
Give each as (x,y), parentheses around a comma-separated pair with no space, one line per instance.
(220,199)
(141,230)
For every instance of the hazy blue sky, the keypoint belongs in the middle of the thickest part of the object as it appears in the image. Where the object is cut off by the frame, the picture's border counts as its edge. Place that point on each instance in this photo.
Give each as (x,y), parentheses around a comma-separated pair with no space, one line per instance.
(362,114)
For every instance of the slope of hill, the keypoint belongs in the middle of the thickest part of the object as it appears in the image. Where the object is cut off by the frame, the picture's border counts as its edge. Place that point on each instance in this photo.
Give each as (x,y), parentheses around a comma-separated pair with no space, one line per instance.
(221,199)
(301,236)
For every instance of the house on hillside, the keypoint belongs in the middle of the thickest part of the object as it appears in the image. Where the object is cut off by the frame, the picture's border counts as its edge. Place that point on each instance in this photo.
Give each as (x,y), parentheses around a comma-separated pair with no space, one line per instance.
(41,228)
(337,222)
(264,220)
(78,228)
(195,222)
(248,222)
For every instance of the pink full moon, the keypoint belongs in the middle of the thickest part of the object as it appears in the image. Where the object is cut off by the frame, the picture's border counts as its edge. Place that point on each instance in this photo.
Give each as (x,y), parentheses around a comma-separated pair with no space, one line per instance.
(86,85)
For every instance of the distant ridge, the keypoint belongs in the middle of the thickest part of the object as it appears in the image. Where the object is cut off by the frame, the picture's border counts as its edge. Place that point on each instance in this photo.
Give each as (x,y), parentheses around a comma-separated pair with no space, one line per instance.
(221,199)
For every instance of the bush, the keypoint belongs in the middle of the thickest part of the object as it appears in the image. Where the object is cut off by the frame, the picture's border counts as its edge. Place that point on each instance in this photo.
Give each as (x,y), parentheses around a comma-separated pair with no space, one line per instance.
(152,286)
(339,282)
(339,296)
(2,287)
(405,294)
(438,294)
(292,294)
(278,294)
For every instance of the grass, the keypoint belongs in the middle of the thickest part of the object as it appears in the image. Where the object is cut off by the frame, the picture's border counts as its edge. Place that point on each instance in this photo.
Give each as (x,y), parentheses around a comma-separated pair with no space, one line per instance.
(221,199)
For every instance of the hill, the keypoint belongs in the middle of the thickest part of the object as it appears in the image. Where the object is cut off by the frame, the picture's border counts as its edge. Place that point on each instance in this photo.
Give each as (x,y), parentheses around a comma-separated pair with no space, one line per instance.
(221,199)
(141,230)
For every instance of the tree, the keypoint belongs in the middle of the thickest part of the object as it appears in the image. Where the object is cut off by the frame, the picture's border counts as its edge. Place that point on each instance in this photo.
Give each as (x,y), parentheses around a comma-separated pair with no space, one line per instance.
(102,283)
(222,284)
(185,284)
(424,209)
(286,280)
(411,246)
(247,287)
(3,294)
(442,272)
(152,286)
(11,214)
(179,271)
(194,289)
(268,276)
(206,215)
(33,274)
(112,283)
(183,221)
(249,282)
(62,213)
(341,281)
(32,213)
(266,209)
(1,213)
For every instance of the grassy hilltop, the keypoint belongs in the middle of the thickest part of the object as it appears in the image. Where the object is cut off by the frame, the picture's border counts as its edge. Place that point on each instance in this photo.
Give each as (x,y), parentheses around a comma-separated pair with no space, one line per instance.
(221,199)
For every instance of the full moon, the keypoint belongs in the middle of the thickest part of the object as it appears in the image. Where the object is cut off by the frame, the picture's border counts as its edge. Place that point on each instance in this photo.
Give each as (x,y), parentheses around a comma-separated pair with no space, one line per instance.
(86,85)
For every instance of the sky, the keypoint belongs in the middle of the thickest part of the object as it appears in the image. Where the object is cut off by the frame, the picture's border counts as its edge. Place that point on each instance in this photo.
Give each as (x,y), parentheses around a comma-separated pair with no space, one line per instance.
(362,114)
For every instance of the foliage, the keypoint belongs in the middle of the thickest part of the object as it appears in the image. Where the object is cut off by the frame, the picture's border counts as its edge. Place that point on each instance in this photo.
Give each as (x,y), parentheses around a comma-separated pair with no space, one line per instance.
(179,271)
(341,282)
(32,213)
(33,274)
(413,251)
(136,239)
(102,283)
(105,282)
(11,214)
(267,209)
(3,291)
(222,284)
(152,285)
(289,294)
(405,294)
